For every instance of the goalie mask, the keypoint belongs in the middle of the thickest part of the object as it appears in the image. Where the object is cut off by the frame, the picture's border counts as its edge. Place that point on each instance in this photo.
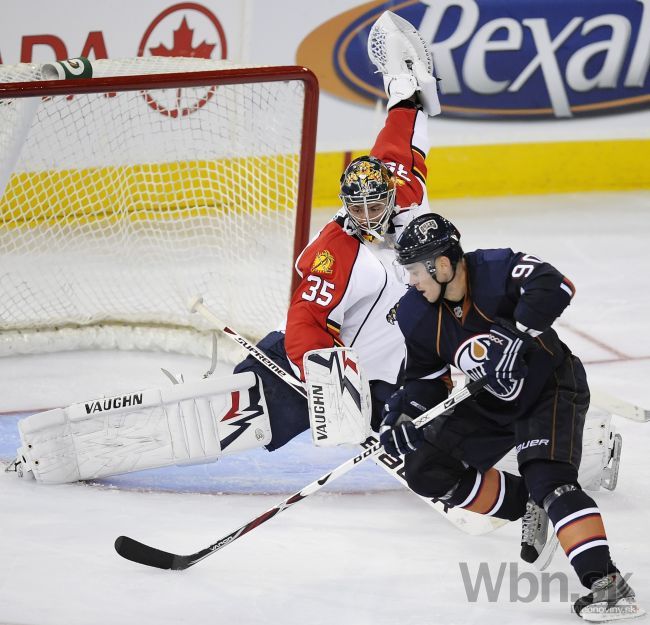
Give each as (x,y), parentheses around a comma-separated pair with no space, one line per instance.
(368,194)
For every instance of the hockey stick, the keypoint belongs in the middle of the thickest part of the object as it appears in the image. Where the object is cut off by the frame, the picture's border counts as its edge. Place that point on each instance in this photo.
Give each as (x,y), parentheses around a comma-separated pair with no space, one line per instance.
(150,556)
(468,522)
(619,407)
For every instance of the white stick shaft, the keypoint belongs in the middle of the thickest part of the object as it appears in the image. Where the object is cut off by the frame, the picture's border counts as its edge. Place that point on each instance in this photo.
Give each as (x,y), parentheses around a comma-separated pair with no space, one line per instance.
(204,311)
(619,407)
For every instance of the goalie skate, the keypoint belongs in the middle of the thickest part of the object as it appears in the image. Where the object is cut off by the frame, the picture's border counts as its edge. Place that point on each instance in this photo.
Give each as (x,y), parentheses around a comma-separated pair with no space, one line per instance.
(400,53)
(609,478)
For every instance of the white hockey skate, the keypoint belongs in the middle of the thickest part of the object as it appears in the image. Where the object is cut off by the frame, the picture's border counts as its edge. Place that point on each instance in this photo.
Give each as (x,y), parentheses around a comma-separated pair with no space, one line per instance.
(400,53)
(610,599)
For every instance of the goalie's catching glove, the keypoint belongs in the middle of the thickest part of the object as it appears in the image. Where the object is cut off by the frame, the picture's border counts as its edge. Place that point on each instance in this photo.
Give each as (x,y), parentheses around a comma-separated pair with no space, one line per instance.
(397,433)
(504,365)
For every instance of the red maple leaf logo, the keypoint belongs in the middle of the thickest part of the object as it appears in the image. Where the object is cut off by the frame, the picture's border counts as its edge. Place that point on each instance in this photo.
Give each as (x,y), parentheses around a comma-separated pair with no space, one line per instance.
(183,44)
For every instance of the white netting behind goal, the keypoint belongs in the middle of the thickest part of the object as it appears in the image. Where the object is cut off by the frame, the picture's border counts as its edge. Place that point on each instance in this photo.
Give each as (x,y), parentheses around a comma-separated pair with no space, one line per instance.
(117,206)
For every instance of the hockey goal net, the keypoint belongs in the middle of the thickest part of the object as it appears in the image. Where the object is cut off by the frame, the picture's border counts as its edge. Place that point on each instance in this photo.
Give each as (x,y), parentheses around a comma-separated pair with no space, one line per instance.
(124,194)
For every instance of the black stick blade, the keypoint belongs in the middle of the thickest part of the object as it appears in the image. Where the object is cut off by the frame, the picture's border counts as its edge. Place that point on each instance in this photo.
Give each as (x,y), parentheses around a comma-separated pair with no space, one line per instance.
(144,554)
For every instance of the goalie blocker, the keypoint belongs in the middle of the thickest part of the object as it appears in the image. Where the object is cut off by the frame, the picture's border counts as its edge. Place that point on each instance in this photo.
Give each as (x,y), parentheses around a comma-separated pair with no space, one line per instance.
(338,397)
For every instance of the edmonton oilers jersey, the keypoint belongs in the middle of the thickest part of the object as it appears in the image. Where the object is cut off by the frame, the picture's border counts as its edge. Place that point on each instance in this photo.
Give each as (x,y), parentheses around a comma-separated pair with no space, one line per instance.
(500,284)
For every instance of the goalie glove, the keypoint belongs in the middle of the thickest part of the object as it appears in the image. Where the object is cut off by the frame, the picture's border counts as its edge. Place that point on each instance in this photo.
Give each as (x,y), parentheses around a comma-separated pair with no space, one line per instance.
(401,54)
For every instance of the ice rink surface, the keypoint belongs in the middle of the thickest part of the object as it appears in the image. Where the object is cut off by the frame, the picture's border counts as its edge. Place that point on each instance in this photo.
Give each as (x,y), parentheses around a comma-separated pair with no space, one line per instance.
(363,551)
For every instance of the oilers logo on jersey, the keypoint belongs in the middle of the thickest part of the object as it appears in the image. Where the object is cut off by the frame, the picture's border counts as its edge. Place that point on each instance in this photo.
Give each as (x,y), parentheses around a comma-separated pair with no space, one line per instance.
(469,358)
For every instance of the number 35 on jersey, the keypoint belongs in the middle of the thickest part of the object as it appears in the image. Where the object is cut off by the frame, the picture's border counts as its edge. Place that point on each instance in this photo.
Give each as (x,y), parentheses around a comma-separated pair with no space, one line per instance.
(318,291)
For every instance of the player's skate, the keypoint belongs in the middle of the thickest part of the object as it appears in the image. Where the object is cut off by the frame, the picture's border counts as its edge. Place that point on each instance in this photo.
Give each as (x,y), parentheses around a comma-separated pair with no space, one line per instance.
(534,527)
(535,548)
(403,57)
(610,599)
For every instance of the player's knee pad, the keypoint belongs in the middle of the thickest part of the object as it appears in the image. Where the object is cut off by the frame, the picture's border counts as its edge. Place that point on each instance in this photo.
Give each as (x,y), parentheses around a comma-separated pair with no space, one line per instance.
(543,477)
(430,472)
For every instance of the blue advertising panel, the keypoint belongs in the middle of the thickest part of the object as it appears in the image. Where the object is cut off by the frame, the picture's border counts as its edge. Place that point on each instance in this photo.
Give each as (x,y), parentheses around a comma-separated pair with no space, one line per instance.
(498,59)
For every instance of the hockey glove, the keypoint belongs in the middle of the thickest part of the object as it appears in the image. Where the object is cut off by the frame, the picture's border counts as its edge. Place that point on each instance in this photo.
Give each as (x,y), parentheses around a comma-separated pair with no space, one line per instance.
(505,367)
(397,433)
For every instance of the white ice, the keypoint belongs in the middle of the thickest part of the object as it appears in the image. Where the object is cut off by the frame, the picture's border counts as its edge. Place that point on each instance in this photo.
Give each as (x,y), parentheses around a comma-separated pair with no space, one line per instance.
(364,551)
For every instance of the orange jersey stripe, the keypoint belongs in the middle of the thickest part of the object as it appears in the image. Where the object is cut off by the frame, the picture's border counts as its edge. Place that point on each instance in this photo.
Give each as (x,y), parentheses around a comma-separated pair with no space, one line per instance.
(582,530)
(488,493)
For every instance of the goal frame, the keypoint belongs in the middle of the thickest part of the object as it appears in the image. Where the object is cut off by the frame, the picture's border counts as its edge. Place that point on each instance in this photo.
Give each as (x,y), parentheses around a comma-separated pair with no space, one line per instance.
(226,76)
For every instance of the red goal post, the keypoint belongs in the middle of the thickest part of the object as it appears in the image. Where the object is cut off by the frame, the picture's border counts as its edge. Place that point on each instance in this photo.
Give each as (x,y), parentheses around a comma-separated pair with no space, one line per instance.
(122,195)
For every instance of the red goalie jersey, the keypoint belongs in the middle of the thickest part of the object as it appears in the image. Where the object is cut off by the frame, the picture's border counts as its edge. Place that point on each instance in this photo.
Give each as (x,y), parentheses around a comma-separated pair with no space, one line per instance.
(350,288)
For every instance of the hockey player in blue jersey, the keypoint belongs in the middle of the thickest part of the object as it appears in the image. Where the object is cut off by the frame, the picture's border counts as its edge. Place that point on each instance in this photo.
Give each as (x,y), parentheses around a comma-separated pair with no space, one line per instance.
(489,313)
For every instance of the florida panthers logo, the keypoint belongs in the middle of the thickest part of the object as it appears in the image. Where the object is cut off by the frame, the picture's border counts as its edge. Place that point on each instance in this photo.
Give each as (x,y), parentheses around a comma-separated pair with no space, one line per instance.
(391,317)
(367,176)
(323,263)
(470,358)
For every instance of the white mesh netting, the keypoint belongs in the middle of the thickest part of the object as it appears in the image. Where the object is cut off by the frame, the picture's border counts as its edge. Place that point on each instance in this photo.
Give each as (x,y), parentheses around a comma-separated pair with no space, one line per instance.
(116,207)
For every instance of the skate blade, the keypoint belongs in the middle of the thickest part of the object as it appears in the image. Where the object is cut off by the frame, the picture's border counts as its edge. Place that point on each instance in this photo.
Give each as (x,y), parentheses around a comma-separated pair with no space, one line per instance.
(545,556)
(600,613)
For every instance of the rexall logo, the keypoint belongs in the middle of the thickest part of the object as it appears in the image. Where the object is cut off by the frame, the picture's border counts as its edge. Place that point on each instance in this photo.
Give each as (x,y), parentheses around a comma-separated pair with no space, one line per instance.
(525,59)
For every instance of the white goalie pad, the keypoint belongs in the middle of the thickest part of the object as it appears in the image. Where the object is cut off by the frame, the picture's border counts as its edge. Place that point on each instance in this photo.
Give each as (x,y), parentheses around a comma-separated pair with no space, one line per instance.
(601,448)
(338,396)
(600,451)
(191,423)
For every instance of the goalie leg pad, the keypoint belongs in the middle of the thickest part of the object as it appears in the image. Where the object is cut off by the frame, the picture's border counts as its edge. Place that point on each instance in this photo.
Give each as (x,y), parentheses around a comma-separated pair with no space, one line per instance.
(287,409)
(189,423)
(340,404)
(601,452)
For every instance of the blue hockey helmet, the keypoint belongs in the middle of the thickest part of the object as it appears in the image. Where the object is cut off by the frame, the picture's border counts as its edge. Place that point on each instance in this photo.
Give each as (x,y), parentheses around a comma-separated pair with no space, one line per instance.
(425,238)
